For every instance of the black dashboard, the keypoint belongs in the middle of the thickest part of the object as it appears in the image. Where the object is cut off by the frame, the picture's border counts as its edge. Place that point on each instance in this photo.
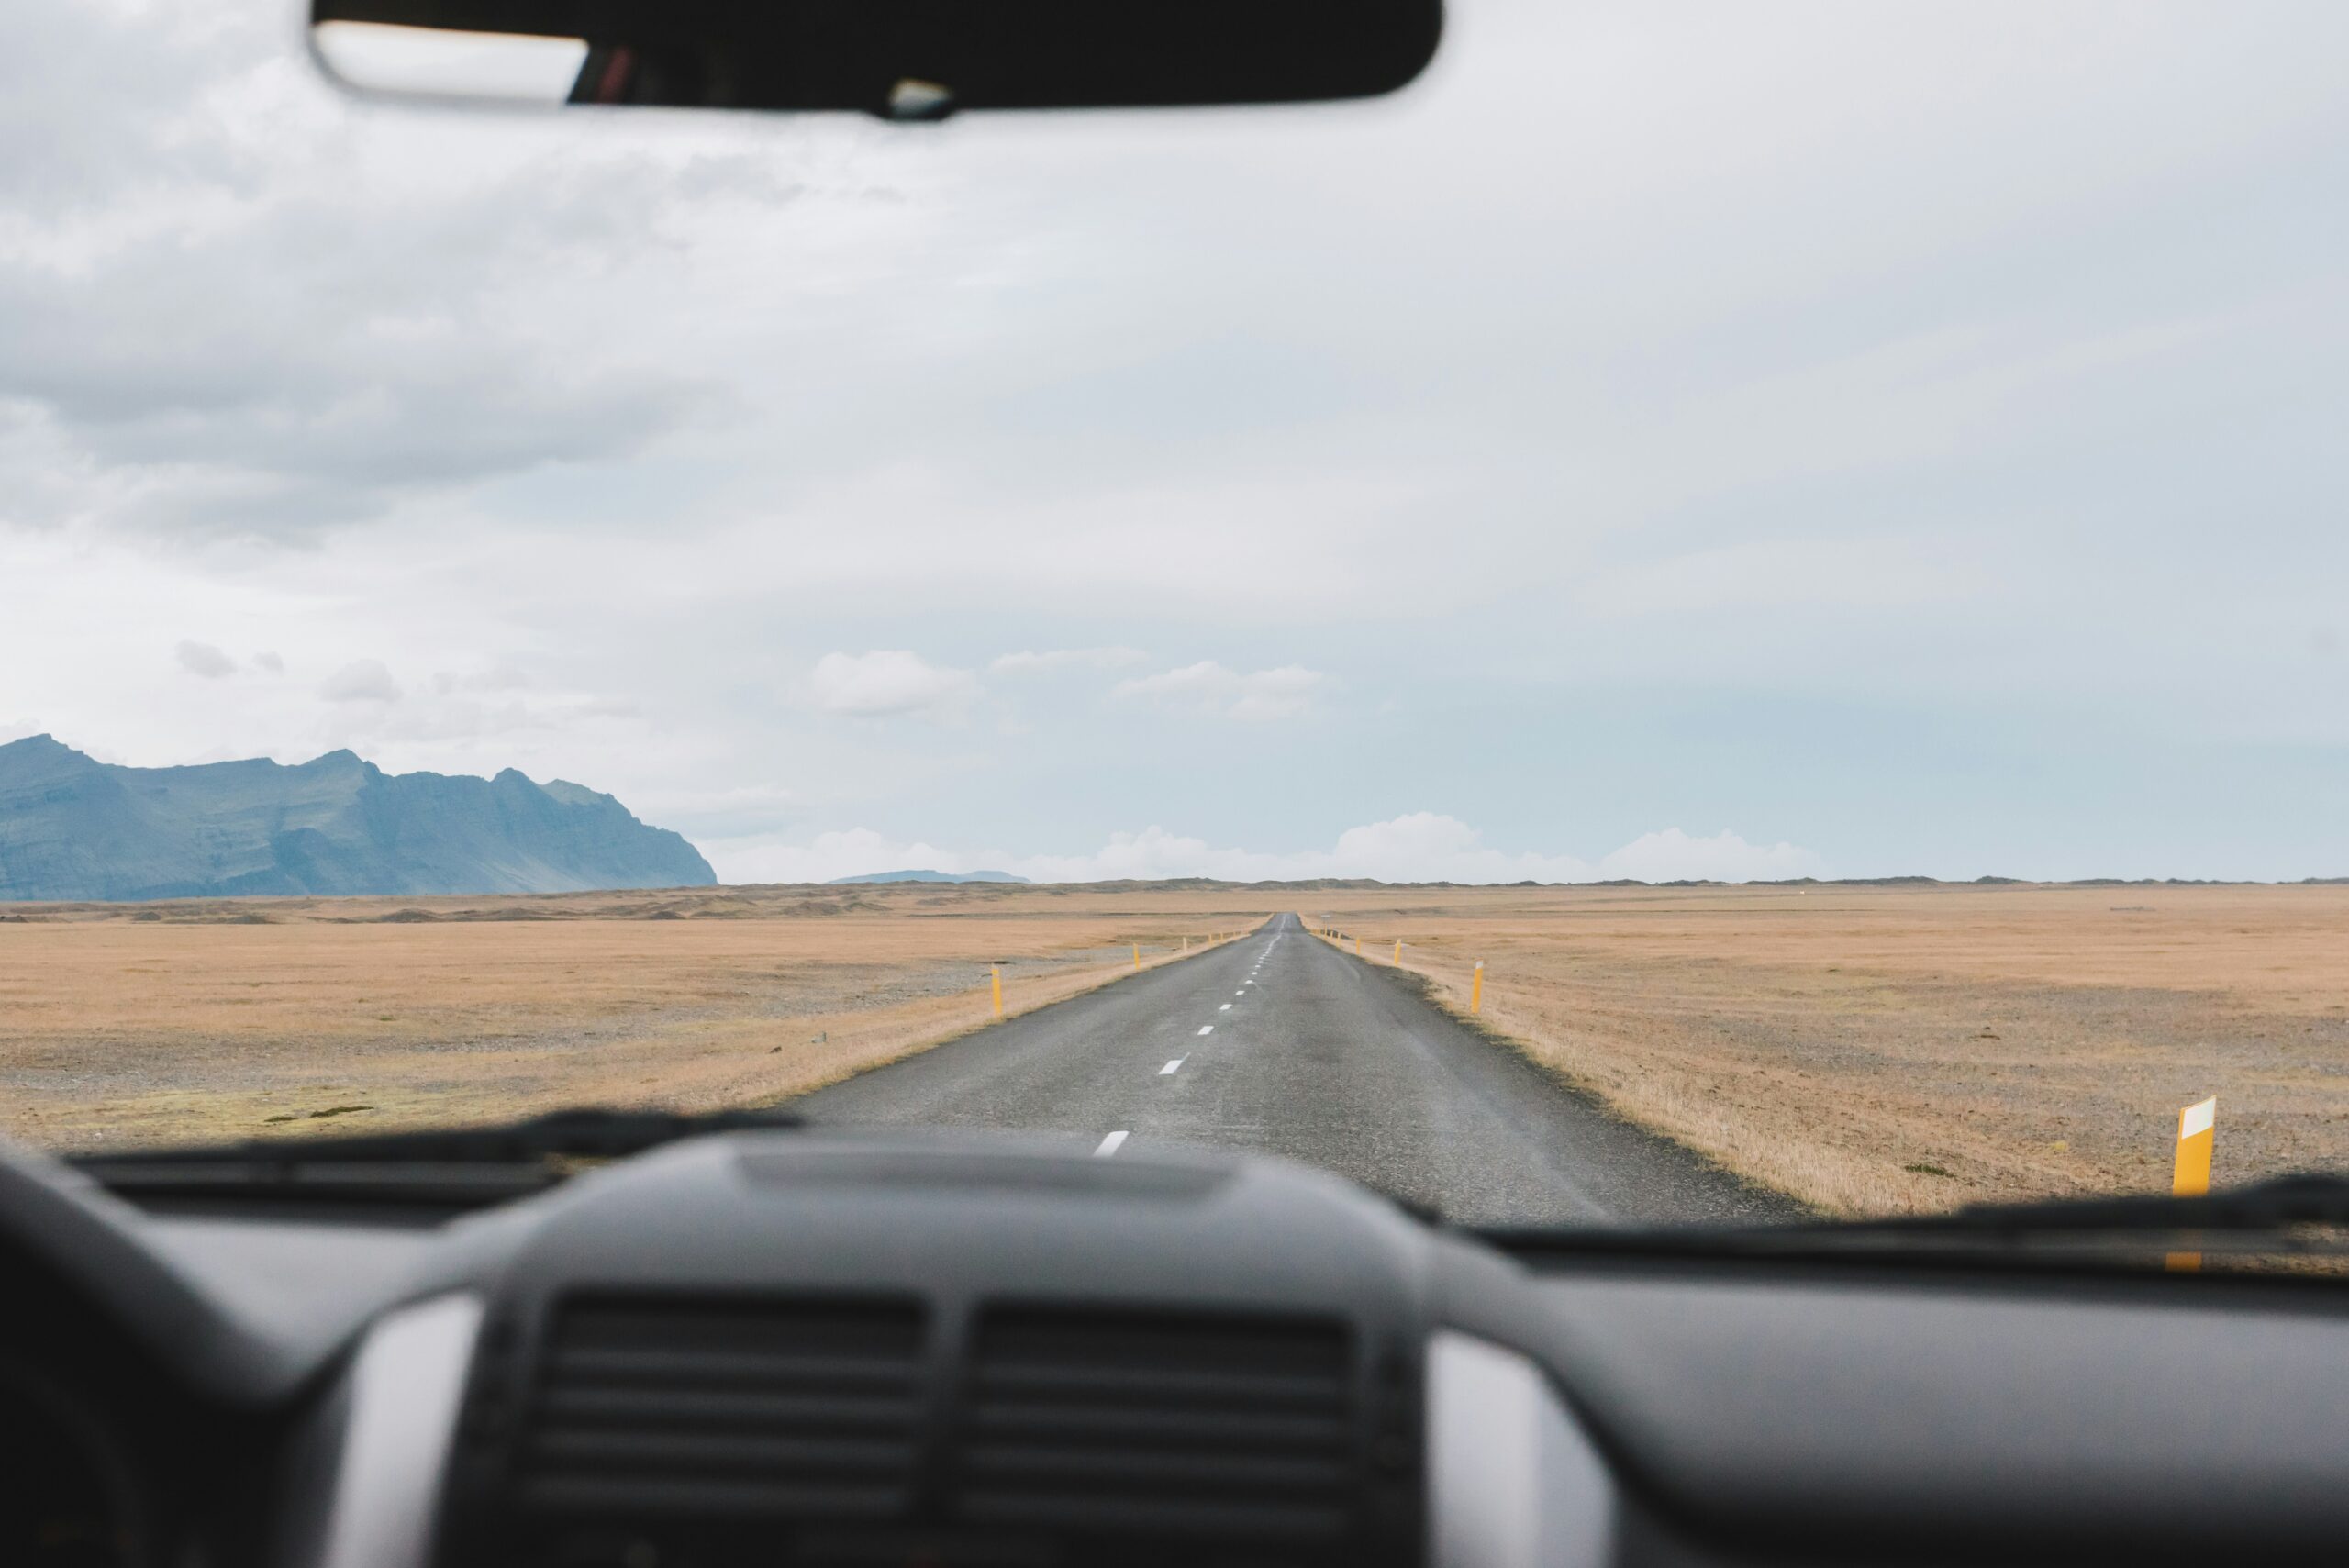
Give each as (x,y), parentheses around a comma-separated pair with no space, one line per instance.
(826,1347)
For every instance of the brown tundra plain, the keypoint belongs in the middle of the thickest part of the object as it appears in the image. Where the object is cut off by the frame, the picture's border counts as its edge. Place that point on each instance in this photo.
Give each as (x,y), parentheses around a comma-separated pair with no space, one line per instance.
(1866,1049)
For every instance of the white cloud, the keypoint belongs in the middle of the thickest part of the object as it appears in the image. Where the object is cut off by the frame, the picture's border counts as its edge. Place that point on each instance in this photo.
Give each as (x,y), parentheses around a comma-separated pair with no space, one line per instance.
(1421,846)
(890,682)
(1426,847)
(1915,468)
(272,662)
(1673,856)
(1211,687)
(203,659)
(852,853)
(363,681)
(1152,853)
(1027,663)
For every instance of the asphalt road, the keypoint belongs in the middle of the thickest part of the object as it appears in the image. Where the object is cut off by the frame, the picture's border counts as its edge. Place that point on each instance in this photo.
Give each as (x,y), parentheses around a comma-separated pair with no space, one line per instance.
(1280,1044)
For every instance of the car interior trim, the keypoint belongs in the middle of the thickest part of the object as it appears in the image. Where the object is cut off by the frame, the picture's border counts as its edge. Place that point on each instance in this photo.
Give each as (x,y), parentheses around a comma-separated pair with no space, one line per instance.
(406,1382)
(1512,1480)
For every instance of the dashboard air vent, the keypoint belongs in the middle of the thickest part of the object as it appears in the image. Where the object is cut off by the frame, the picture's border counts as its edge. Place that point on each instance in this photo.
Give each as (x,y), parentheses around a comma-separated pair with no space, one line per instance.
(700,1409)
(1144,1426)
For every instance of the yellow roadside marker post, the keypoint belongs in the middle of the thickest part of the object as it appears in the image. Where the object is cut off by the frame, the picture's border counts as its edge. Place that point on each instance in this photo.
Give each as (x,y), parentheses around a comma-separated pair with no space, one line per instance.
(2197,1129)
(1398,951)
(1477,989)
(2196,1126)
(1357,946)
(997,971)
(1137,955)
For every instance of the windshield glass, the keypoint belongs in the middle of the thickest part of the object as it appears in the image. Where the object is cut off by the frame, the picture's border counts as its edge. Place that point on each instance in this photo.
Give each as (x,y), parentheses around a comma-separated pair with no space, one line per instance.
(1714,612)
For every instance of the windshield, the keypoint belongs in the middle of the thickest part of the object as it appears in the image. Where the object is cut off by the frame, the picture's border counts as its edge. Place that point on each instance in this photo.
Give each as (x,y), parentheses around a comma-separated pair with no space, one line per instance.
(1713,613)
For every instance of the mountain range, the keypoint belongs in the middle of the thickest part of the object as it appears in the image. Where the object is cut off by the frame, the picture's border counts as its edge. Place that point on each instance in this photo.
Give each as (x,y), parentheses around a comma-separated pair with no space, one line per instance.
(73,828)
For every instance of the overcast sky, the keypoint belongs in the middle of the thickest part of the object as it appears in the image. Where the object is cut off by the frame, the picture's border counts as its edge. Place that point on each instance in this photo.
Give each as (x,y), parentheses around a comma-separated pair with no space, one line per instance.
(1729,440)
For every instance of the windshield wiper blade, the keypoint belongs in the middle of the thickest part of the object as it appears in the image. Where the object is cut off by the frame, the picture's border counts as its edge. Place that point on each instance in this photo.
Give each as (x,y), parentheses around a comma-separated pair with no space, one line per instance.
(2277,1203)
(2296,1213)
(434,1172)
(584,1134)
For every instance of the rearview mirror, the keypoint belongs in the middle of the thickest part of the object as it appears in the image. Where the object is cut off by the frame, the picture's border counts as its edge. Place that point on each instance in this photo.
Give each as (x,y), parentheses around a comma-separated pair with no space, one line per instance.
(898,59)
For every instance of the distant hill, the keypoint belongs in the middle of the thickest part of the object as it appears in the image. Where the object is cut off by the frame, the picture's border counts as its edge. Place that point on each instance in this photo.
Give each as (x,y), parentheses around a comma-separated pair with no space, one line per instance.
(72,828)
(926,877)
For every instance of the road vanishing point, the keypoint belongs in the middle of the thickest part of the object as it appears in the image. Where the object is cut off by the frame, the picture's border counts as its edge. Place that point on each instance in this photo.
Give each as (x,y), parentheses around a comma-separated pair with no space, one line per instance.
(1279,1044)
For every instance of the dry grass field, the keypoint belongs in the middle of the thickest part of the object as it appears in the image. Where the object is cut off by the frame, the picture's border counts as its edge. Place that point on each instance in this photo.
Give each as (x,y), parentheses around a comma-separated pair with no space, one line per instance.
(193,1021)
(1866,1049)
(1899,1048)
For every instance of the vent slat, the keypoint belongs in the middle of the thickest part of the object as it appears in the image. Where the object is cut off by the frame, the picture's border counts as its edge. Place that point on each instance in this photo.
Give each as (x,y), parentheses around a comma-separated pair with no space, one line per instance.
(1159,1385)
(1170,1427)
(1158,1468)
(714,1454)
(606,1497)
(1115,1516)
(782,1410)
(1106,1424)
(666,1407)
(721,1369)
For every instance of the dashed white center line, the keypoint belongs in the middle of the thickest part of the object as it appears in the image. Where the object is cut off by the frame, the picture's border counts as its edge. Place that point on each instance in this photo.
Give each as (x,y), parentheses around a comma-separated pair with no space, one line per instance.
(1207,1028)
(1241,992)
(1225,1008)
(1172,1065)
(1109,1144)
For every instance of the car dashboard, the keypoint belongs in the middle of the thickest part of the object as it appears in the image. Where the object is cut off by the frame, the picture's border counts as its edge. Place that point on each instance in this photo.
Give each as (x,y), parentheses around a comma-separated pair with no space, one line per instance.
(830,1347)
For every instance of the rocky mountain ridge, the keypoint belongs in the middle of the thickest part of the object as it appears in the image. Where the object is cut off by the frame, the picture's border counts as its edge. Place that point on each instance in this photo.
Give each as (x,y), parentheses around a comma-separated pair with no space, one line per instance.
(73,828)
